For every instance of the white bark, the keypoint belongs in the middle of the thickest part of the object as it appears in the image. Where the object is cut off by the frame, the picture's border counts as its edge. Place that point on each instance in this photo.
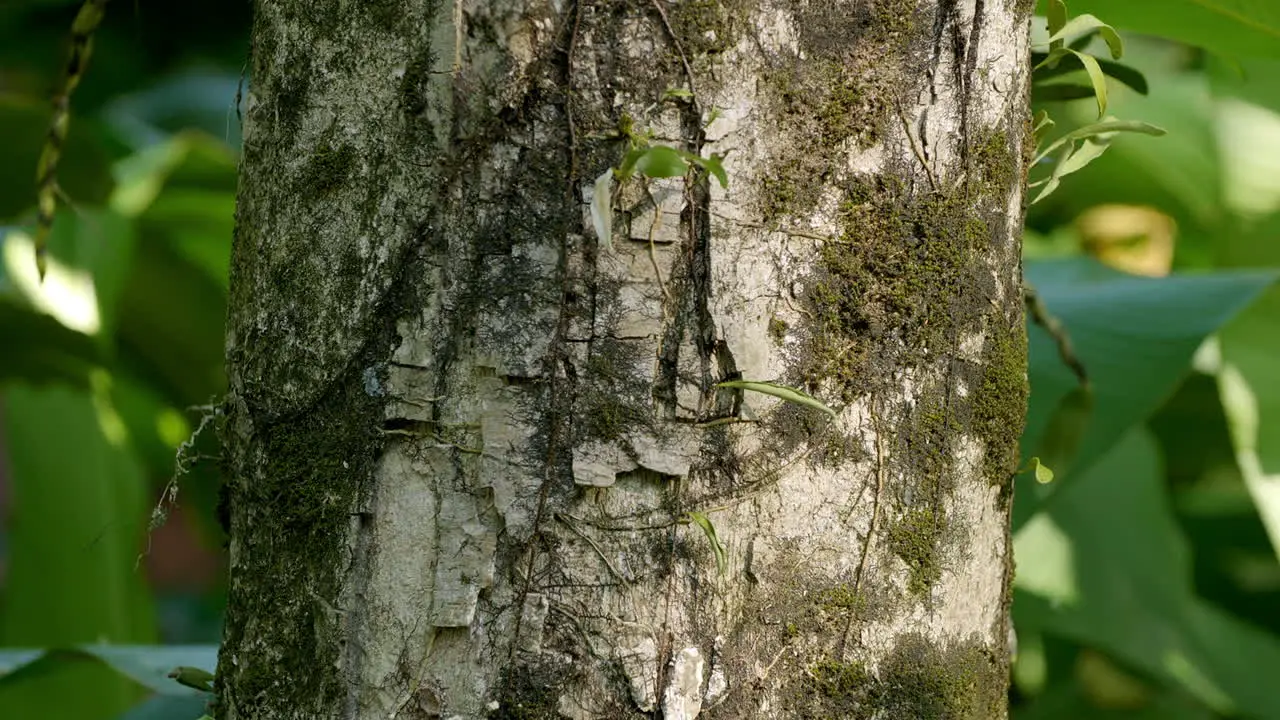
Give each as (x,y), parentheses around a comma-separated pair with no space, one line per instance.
(471,445)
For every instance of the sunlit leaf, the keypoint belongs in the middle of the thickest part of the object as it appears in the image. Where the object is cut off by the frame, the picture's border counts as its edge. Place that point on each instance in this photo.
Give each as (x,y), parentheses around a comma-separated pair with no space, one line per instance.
(660,161)
(1087,24)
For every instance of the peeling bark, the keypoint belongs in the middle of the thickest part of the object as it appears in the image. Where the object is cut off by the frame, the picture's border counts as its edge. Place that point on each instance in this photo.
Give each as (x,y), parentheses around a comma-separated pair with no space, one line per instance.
(480,462)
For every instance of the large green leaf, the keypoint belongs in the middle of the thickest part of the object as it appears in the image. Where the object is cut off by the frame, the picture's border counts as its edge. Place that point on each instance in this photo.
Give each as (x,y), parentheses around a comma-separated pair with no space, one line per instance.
(1234,28)
(38,348)
(147,665)
(1136,337)
(1107,567)
(74,539)
(1250,377)
(168,707)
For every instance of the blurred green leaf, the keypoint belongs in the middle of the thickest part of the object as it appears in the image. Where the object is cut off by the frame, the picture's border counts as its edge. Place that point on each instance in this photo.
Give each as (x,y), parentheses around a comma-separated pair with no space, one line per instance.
(1234,28)
(660,161)
(171,324)
(74,540)
(150,665)
(147,665)
(1136,337)
(1106,566)
(1249,377)
(168,707)
(1085,25)
(38,348)
(1123,73)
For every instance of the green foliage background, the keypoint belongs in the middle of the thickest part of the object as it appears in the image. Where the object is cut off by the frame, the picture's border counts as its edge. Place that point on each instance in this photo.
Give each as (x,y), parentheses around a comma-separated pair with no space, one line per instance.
(1148,583)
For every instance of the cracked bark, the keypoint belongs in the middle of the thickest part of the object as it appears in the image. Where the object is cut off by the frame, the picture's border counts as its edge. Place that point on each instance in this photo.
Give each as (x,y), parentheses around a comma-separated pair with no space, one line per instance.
(474,452)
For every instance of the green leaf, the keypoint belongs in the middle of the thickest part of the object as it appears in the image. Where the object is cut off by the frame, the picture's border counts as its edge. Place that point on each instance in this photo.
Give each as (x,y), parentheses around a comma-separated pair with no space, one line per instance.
(193,677)
(713,165)
(1249,379)
(717,548)
(1125,74)
(1136,337)
(1099,129)
(789,394)
(602,208)
(147,665)
(169,707)
(1042,121)
(1108,567)
(1086,25)
(1068,426)
(628,165)
(660,161)
(1040,471)
(40,349)
(73,544)
(1233,28)
(1056,13)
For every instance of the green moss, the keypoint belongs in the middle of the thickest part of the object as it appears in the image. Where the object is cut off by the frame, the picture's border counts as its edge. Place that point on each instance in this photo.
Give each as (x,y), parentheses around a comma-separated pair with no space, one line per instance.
(922,680)
(777,329)
(915,538)
(707,27)
(301,504)
(1000,404)
(997,163)
(328,169)
(291,93)
(918,681)
(820,106)
(837,681)
(904,262)
(843,597)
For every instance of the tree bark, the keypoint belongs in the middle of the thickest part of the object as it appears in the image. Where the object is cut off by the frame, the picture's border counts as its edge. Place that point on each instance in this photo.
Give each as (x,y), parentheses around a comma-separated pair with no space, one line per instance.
(480,463)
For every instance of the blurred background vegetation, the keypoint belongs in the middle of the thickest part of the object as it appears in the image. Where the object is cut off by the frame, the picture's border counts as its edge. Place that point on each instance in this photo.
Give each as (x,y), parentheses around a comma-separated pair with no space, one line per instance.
(1148,584)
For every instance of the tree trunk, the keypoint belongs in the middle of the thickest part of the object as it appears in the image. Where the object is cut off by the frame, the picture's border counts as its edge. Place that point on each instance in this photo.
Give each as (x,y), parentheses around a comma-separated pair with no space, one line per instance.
(480,464)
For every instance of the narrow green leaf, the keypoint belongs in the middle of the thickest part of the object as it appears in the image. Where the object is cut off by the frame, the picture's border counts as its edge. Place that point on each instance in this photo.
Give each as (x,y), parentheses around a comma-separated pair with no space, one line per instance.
(1056,14)
(602,208)
(1096,77)
(789,394)
(717,548)
(1107,125)
(660,161)
(1088,24)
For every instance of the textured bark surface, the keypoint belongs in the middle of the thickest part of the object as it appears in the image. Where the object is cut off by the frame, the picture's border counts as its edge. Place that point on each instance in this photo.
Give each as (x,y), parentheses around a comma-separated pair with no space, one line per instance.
(480,465)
